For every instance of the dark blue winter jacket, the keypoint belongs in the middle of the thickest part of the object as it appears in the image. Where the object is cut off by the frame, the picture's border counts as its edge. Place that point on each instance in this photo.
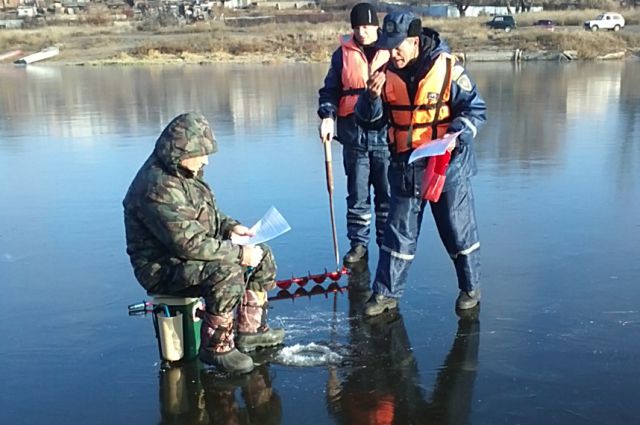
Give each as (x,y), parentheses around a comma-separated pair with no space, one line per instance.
(348,132)
(467,107)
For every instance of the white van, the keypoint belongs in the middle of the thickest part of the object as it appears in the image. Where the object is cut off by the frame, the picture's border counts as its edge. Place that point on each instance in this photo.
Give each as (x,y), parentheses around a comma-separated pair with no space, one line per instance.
(607,21)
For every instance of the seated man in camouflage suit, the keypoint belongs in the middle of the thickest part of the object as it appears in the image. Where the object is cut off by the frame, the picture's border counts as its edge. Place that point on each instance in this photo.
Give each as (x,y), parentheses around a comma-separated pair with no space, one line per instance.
(179,244)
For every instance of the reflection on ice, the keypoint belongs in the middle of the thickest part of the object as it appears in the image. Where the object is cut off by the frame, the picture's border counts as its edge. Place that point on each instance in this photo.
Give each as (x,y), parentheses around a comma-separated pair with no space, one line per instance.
(558,204)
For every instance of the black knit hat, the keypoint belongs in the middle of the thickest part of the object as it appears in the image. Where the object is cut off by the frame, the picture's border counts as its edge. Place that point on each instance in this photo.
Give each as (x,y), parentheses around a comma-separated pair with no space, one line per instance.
(363,14)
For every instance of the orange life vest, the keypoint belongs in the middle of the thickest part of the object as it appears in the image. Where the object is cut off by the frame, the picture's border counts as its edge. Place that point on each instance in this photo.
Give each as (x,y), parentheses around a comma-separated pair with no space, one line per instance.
(426,117)
(355,73)
(369,408)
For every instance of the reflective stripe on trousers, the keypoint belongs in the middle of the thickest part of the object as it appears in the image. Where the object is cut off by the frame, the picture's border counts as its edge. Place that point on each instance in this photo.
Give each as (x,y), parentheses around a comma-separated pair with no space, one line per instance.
(365,170)
(455,219)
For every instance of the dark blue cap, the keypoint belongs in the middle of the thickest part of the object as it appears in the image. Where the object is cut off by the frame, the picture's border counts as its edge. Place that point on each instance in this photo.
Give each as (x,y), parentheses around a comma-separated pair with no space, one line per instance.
(396,27)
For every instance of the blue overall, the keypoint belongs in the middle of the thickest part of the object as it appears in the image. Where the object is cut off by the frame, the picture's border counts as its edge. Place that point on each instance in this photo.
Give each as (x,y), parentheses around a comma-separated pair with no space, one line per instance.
(455,220)
(365,165)
(365,159)
(454,212)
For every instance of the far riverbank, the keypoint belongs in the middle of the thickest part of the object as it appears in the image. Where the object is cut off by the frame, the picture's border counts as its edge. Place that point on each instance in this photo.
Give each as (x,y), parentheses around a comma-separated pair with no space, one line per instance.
(214,41)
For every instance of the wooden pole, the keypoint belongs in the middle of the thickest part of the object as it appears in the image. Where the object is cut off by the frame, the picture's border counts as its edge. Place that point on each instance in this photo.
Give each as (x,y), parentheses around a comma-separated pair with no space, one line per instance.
(329,173)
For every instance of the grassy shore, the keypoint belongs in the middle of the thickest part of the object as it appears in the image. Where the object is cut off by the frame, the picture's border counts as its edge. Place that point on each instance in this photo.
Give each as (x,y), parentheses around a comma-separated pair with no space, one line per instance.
(214,41)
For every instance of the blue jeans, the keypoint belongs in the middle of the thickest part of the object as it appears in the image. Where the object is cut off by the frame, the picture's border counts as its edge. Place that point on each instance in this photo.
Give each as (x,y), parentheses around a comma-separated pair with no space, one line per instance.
(366,169)
(455,219)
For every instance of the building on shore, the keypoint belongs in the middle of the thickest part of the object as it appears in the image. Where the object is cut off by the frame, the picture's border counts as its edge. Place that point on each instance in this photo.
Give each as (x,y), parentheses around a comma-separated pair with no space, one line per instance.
(448,10)
(9,4)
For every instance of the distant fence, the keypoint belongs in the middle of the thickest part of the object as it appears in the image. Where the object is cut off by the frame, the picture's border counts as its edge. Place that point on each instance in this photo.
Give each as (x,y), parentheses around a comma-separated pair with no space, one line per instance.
(450,11)
(10,23)
(314,18)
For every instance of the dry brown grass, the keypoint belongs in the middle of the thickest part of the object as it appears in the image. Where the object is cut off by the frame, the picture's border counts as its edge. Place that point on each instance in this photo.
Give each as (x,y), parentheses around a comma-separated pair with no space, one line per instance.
(468,34)
(588,45)
(573,17)
(301,41)
(29,39)
(98,14)
(561,18)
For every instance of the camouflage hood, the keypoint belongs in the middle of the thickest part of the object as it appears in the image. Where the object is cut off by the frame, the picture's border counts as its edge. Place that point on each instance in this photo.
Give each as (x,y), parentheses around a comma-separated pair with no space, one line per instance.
(187,136)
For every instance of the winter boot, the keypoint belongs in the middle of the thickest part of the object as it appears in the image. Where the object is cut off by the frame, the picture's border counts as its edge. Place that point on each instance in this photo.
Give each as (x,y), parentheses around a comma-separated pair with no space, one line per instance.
(356,253)
(216,344)
(467,299)
(253,331)
(378,304)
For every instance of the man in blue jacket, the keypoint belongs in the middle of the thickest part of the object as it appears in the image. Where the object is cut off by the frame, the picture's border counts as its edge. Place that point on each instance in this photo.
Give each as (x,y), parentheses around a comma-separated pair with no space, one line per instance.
(365,152)
(423,95)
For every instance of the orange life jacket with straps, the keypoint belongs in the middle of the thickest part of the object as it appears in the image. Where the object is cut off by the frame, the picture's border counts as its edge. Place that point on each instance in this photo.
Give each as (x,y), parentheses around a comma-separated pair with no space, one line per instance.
(413,122)
(355,73)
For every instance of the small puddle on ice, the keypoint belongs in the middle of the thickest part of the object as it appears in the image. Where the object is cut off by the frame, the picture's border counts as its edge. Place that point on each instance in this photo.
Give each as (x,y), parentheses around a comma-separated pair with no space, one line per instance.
(311,354)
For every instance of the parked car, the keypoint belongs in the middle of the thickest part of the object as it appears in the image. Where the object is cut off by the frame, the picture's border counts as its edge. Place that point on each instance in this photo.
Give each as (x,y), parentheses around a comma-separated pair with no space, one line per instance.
(502,22)
(545,24)
(607,21)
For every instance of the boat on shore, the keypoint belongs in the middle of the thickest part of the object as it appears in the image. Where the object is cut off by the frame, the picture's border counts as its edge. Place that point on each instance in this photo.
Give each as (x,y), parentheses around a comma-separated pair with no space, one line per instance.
(9,55)
(43,54)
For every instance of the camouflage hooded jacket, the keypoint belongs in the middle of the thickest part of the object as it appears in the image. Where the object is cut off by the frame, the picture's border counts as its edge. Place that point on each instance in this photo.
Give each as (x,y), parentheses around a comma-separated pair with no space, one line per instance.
(170,214)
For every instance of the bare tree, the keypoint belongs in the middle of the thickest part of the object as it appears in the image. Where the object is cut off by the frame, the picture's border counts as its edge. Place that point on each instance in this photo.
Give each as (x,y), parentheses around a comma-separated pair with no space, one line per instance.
(523,6)
(461,5)
(509,11)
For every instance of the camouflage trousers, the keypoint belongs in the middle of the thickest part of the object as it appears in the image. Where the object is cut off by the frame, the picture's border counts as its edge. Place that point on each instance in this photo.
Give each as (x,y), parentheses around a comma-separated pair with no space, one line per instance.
(222,284)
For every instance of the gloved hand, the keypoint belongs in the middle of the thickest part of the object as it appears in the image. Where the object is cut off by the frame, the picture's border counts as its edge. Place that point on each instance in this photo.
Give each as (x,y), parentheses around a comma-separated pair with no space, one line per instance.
(375,84)
(327,128)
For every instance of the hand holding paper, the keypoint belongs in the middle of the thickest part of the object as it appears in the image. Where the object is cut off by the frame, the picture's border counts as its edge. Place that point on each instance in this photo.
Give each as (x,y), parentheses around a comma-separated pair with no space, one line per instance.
(435,147)
(271,225)
(240,230)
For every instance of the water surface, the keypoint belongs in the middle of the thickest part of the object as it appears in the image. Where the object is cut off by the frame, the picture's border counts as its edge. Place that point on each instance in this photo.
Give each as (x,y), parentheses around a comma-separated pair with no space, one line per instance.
(558,202)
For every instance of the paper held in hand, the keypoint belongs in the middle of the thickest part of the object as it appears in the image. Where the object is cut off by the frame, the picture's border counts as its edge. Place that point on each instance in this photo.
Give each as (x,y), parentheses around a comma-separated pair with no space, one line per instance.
(270,226)
(434,148)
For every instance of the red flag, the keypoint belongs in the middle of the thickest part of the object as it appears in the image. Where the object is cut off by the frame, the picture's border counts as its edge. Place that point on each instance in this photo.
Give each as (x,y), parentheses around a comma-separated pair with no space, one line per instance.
(434,177)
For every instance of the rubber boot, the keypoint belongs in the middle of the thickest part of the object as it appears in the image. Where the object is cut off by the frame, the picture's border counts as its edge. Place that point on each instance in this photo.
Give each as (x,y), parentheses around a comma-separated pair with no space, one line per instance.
(217,347)
(467,299)
(378,304)
(253,331)
(356,253)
